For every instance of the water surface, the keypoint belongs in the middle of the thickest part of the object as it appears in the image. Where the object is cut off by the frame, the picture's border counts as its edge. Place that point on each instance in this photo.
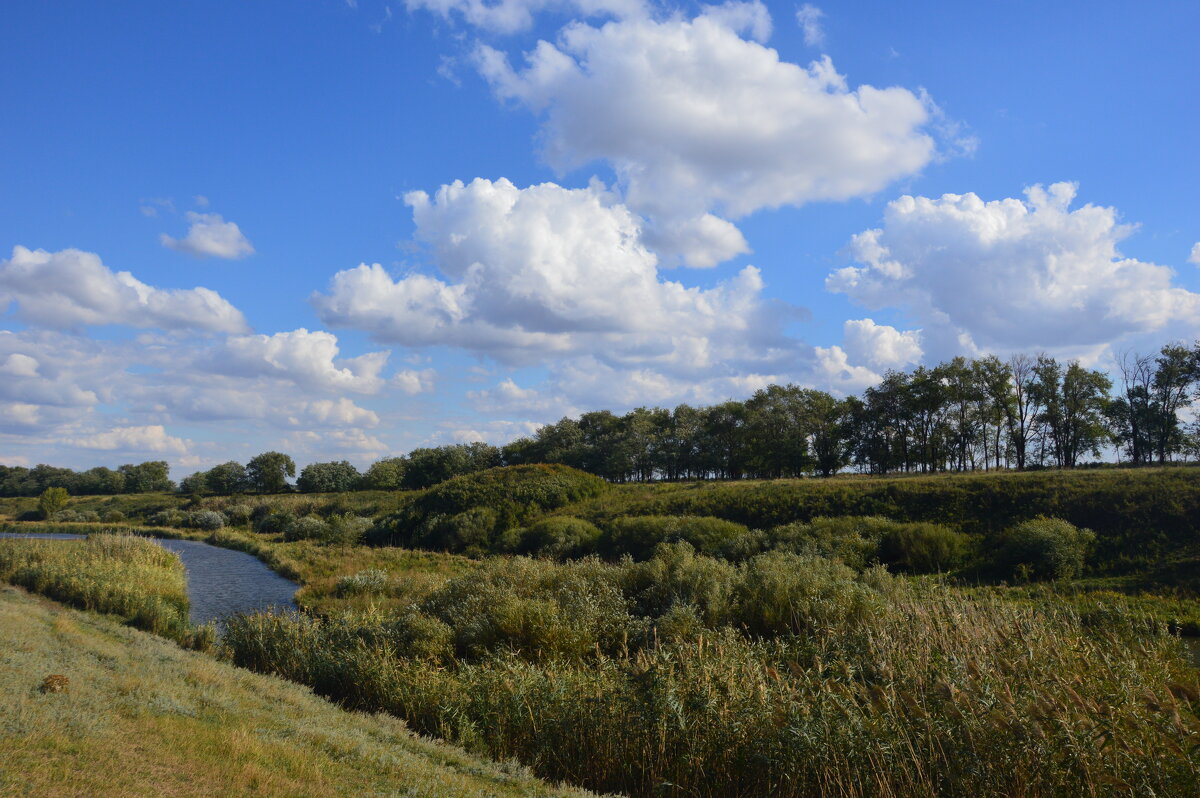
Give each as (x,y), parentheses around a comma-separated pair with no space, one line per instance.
(220,582)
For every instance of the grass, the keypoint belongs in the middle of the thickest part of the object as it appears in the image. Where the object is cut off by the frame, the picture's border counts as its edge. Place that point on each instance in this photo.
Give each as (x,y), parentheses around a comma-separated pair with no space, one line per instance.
(121,575)
(142,717)
(317,567)
(779,677)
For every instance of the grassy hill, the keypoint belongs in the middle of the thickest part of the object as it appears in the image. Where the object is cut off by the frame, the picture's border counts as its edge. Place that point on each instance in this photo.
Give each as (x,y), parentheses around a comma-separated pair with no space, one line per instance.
(142,717)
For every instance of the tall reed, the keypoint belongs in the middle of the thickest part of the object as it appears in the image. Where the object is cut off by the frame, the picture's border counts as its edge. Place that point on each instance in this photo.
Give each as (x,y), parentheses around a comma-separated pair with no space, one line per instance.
(868,686)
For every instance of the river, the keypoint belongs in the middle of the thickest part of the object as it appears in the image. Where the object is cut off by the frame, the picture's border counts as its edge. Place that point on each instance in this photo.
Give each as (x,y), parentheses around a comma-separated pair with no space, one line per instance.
(220,582)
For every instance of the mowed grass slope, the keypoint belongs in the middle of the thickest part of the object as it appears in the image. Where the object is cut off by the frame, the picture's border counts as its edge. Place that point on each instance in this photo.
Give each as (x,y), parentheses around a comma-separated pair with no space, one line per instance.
(142,717)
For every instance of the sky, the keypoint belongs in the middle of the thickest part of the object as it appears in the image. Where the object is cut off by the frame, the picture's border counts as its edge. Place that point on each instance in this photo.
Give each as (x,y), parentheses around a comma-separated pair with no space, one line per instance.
(344,229)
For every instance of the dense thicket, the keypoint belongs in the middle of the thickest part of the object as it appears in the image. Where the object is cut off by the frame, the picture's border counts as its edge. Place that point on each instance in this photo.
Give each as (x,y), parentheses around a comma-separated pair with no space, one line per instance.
(1138,515)
(471,512)
(787,675)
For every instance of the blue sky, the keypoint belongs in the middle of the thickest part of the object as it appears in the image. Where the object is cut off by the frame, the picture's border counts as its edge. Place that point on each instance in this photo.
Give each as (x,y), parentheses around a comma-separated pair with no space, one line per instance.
(658,203)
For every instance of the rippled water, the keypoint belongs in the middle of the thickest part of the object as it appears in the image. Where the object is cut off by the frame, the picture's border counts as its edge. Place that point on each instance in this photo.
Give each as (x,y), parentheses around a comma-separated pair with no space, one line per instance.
(220,582)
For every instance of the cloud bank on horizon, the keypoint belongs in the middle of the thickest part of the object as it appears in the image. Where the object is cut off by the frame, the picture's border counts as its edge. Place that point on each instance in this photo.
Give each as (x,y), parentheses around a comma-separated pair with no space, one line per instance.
(658,261)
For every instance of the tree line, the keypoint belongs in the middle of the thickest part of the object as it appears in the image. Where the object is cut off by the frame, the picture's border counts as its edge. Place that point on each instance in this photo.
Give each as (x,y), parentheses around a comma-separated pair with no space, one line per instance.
(1029,411)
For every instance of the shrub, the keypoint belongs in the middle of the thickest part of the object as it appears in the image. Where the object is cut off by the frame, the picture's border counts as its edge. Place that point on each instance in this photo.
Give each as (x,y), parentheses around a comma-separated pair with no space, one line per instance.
(638,536)
(167,518)
(52,500)
(66,517)
(441,518)
(559,537)
(238,513)
(345,529)
(852,539)
(544,610)
(781,592)
(272,521)
(1044,548)
(307,528)
(923,548)
(371,581)
(676,577)
(471,531)
(208,520)
(113,517)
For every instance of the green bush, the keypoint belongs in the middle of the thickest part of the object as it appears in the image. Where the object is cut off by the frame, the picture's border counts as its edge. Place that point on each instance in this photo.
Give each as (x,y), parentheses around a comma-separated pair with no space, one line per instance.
(852,539)
(559,537)
(167,518)
(345,529)
(239,513)
(272,521)
(638,536)
(208,520)
(372,582)
(472,511)
(310,527)
(780,592)
(113,517)
(674,578)
(544,610)
(1044,548)
(923,548)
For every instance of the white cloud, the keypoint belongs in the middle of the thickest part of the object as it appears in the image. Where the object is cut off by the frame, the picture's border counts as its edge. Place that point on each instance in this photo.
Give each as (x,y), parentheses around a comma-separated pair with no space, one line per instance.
(151,438)
(336,413)
(880,346)
(19,414)
(809,18)
(696,119)
(210,236)
(308,359)
(1012,274)
(552,272)
(511,16)
(71,288)
(19,365)
(833,371)
(412,381)
(54,370)
(1195,256)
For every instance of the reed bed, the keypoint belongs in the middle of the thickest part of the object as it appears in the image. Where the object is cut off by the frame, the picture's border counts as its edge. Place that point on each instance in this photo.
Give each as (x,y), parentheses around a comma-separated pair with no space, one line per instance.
(783,676)
(121,575)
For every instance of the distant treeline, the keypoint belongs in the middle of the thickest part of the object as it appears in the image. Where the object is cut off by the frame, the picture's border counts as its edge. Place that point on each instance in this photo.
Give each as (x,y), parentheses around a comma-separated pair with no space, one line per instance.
(962,415)
(148,477)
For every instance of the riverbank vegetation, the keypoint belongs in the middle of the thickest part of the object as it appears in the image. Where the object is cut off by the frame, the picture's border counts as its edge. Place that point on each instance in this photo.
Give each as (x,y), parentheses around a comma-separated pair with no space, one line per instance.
(135,715)
(785,675)
(952,634)
(129,577)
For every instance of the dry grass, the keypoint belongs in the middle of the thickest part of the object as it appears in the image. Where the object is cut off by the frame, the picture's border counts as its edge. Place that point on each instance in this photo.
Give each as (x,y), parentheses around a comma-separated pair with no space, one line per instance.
(142,717)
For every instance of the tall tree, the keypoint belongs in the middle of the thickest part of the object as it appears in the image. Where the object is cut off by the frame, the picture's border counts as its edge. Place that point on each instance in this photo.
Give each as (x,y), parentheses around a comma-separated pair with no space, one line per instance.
(269,472)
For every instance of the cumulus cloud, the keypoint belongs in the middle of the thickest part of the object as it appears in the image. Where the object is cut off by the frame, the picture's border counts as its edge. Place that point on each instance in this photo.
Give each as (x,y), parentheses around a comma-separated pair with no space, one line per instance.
(72,288)
(210,236)
(53,370)
(334,412)
(18,365)
(308,359)
(151,438)
(19,414)
(1195,256)
(1012,274)
(879,345)
(808,17)
(547,271)
(696,120)
(414,381)
(511,16)
(833,371)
